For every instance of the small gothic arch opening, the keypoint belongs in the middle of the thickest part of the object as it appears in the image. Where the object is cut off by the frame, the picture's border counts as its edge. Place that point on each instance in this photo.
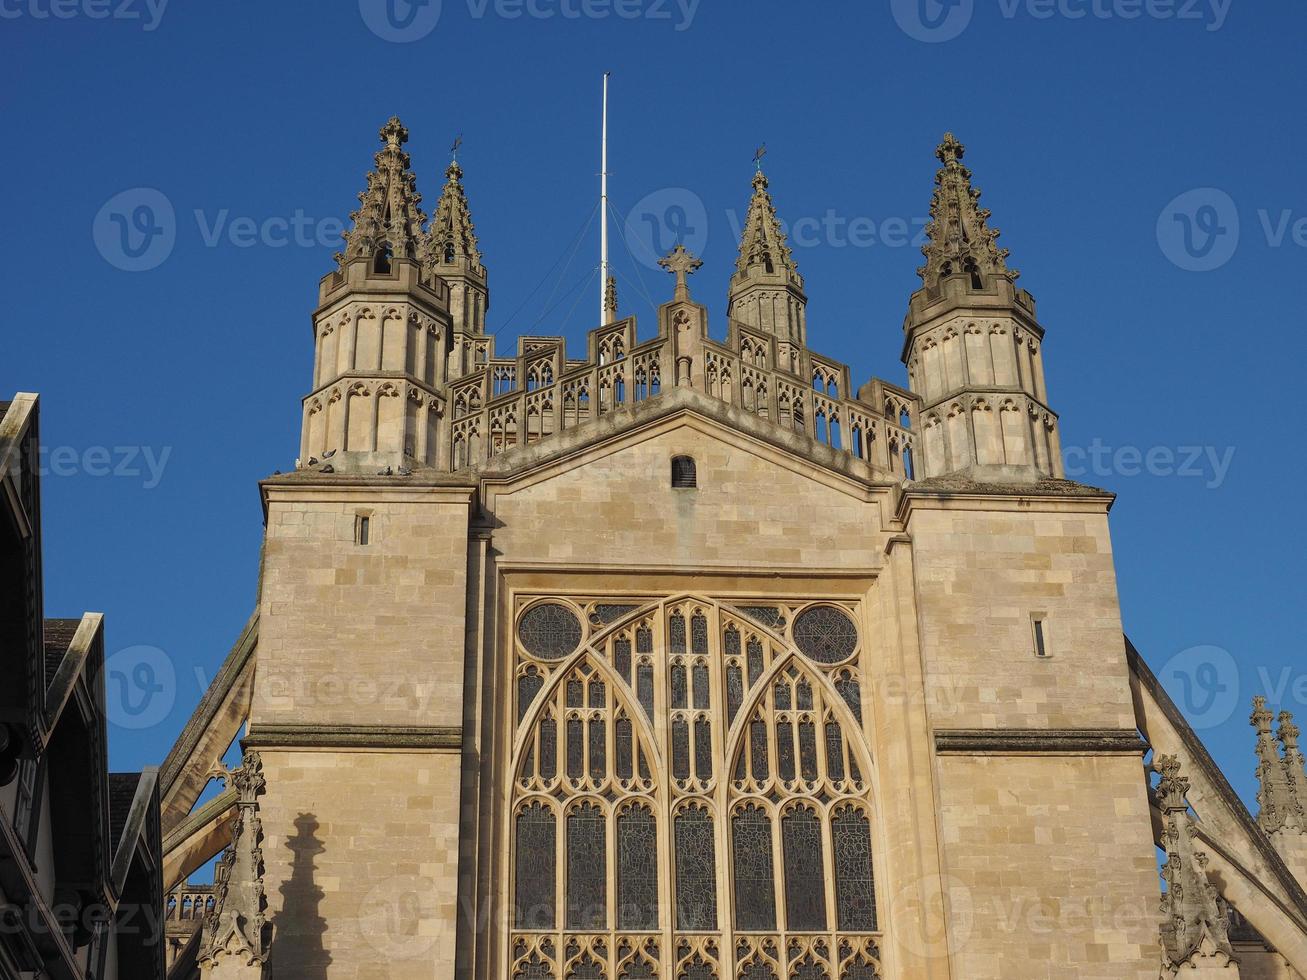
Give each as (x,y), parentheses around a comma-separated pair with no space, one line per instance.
(685,474)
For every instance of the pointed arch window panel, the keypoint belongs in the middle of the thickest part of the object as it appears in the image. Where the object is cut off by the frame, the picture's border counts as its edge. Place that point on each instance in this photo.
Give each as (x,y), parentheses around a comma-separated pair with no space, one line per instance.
(690,792)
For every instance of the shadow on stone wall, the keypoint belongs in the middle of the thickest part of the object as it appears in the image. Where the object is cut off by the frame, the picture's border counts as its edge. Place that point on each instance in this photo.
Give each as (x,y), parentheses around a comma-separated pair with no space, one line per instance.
(298,952)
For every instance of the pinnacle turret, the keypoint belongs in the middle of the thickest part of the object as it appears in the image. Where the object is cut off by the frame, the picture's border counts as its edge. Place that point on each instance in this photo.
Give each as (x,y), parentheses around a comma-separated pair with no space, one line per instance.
(610,300)
(958,238)
(451,237)
(766,292)
(389,220)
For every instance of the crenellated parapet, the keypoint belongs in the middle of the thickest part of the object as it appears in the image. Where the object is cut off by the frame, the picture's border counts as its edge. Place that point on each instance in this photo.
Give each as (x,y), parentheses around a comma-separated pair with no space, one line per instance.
(508,402)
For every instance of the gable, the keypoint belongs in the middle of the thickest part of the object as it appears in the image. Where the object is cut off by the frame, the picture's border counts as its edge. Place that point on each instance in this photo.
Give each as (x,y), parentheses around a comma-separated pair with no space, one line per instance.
(755,504)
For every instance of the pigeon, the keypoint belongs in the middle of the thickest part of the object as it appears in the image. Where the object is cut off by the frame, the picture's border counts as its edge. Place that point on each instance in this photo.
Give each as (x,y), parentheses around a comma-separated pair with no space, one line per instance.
(386,472)
(329,453)
(327,469)
(313,461)
(405,471)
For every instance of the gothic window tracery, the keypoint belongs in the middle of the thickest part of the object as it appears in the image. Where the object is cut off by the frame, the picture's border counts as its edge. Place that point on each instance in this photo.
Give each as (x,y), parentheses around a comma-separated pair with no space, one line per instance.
(690,794)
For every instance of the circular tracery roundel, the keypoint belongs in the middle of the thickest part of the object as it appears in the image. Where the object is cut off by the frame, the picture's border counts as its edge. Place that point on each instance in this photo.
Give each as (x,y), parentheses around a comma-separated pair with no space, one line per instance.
(825,634)
(549,631)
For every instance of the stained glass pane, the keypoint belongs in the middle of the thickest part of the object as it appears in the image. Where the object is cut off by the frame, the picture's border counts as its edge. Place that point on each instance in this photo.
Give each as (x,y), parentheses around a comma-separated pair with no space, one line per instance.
(534,902)
(622,658)
(528,686)
(575,749)
(549,631)
(702,749)
(587,870)
(644,640)
(734,692)
(575,693)
(807,751)
(548,748)
(676,634)
(825,634)
(755,891)
(785,750)
(644,681)
(732,642)
(637,870)
(755,660)
(834,751)
(805,879)
(782,694)
(680,749)
(699,675)
(767,615)
(848,690)
(855,890)
(598,693)
(622,748)
(803,695)
(696,871)
(699,633)
(679,697)
(758,749)
(598,749)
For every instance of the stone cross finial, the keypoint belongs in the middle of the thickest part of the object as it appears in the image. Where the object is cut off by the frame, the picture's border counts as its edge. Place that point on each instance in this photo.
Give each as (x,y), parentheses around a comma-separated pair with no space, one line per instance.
(394,134)
(680,263)
(950,151)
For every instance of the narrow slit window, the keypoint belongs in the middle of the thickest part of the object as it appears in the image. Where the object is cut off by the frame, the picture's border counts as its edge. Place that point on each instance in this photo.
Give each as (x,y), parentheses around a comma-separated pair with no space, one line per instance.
(1041,641)
(362,529)
(684,473)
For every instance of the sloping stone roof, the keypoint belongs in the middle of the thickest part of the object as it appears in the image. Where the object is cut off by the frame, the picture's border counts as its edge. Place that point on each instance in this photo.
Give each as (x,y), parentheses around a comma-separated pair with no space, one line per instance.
(122,790)
(58,637)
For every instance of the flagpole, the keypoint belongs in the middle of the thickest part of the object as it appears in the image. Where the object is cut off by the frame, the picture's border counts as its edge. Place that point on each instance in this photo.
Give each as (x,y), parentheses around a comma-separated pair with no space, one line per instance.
(603,206)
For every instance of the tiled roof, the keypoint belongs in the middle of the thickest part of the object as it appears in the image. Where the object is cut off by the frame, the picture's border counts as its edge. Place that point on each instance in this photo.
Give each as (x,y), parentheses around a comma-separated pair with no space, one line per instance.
(122,790)
(58,636)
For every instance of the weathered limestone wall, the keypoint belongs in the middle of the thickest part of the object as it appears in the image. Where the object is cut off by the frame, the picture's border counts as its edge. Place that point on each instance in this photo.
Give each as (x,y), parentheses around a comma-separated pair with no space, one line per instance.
(360,853)
(984,568)
(1256,963)
(356,634)
(752,506)
(1047,853)
(1050,865)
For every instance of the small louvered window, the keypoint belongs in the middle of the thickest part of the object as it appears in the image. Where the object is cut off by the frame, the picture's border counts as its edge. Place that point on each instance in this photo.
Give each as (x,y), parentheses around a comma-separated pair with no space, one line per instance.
(684,475)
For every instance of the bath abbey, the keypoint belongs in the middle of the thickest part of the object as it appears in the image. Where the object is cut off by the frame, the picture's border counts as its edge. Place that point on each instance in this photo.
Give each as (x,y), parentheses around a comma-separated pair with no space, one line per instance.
(692,656)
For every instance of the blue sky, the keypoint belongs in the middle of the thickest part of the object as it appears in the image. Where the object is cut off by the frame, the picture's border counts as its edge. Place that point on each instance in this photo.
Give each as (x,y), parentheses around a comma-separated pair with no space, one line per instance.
(1174,341)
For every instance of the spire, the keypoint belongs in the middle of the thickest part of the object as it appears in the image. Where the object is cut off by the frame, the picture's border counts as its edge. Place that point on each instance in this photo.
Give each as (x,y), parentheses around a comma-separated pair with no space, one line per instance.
(1194,917)
(1274,794)
(388,218)
(766,292)
(958,239)
(610,300)
(451,237)
(762,244)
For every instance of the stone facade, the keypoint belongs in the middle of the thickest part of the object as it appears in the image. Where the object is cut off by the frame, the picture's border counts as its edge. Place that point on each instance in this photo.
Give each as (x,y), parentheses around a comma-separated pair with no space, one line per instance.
(692,659)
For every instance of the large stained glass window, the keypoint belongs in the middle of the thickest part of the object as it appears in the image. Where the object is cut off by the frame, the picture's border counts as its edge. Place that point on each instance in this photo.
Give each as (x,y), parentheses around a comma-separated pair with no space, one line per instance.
(689,792)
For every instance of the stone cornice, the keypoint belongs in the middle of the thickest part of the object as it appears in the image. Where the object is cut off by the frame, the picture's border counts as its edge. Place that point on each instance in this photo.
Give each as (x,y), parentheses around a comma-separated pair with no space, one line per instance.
(325,736)
(1039,741)
(1057,495)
